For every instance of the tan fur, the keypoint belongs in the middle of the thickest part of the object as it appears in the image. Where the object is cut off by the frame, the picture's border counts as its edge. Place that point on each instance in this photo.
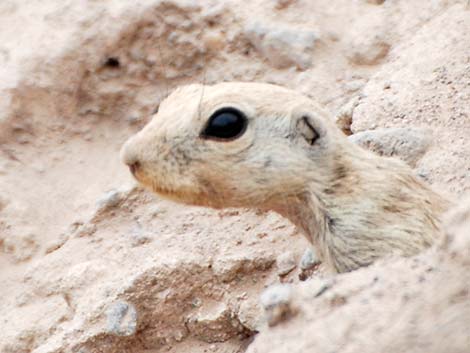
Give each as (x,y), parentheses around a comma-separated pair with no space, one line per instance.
(353,205)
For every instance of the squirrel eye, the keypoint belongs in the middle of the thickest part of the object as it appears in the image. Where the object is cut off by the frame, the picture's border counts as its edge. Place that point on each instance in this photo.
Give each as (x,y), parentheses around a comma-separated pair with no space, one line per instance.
(225,124)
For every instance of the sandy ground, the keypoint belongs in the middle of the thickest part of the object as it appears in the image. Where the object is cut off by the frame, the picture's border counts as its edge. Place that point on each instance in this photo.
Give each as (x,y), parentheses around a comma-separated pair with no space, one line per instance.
(89,262)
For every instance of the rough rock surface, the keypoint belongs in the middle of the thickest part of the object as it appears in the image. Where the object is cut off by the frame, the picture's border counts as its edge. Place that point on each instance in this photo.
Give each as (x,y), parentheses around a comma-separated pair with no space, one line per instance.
(418,89)
(408,144)
(283,47)
(91,263)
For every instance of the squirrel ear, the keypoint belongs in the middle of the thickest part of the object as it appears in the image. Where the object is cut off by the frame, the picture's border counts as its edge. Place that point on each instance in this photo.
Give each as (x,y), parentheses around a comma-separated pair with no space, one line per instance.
(305,129)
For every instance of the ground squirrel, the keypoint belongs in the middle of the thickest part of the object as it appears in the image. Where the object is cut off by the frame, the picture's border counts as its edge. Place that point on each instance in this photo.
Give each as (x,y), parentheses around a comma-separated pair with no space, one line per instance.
(262,146)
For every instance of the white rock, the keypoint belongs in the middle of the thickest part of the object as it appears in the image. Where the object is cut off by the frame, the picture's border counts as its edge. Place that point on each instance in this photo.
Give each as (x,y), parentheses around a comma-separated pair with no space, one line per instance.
(309,259)
(276,301)
(214,324)
(21,246)
(408,144)
(250,314)
(109,200)
(122,319)
(375,2)
(285,263)
(283,46)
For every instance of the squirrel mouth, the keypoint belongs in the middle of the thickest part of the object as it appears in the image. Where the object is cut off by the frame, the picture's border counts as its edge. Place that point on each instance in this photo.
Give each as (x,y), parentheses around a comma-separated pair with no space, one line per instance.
(133,168)
(162,191)
(139,174)
(188,197)
(180,195)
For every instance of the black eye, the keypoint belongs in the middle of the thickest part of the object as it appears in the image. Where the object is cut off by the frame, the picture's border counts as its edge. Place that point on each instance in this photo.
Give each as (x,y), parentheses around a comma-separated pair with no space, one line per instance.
(225,124)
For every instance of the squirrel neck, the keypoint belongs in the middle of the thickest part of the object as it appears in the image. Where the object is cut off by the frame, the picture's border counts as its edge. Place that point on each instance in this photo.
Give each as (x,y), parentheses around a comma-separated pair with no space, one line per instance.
(350,216)
(310,216)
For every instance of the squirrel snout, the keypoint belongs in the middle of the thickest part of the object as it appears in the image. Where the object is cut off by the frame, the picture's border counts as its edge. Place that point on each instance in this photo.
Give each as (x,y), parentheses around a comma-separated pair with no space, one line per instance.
(129,157)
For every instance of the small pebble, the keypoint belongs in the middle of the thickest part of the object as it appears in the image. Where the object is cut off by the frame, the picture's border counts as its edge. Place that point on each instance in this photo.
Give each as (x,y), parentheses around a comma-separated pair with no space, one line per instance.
(122,319)
(134,119)
(309,259)
(196,303)
(276,301)
(285,263)
(109,200)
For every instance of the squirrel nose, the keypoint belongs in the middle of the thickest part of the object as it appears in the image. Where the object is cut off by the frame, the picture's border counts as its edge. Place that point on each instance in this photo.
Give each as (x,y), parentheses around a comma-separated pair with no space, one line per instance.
(133,167)
(130,158)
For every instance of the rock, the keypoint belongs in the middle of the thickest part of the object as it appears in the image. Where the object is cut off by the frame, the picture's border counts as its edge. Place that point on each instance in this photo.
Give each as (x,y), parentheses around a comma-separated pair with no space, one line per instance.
(20,247)
(408,144)
(282,4)
(283,46)
(214,41)
(139,237)
(229,268)
(370,53)
(250,314)
(457,224)
(135,118)
(41,315)
(285,263)
(343,118)
(57,243)
(375,2)
(214,324)
(369,41)
(428,79)
(423,173)
(3,202)
(109,200)
(277,303)
(309,259)
(122,319)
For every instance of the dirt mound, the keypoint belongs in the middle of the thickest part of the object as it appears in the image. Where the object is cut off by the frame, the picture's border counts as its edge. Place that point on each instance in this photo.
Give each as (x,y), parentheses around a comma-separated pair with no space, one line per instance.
(91,263)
